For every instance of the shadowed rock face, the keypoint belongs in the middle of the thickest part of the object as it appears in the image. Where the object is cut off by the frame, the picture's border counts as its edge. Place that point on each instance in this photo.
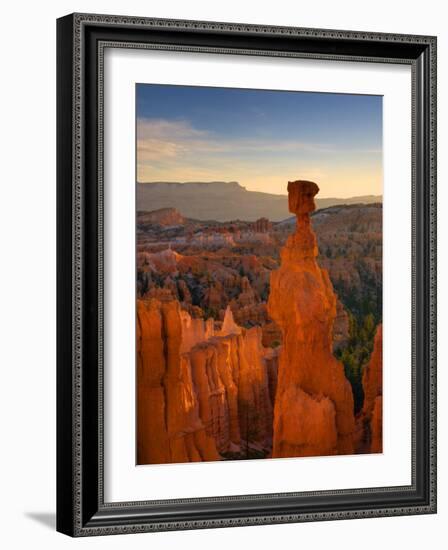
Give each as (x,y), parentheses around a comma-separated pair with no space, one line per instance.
(372,382)
(301,197)
(341,327)
(313,412)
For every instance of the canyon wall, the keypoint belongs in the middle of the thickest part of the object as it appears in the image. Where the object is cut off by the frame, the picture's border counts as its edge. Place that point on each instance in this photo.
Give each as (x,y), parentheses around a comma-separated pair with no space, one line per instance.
(313,412)
(258,378)
(202,394)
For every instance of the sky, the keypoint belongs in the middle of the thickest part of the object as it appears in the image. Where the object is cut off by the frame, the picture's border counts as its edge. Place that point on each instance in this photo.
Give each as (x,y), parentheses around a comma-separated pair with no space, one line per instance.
(260,138)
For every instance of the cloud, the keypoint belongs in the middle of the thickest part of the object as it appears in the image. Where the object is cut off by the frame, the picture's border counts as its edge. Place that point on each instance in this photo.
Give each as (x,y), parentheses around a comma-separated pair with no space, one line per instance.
(175,150)
(162,128)
(159,139)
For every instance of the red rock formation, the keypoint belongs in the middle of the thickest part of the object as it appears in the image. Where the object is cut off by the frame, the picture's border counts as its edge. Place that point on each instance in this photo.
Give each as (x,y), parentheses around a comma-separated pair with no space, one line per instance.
(215,296)
(200,395)
(169,428)
(249,315)
(194,330)
(272,335)
(163,216)
(271,360)
(184,291)
(228,325)
(247,308)
(247,296)
(213,369)
(231,378)
(170,285)
(372,383)
(262,225)
(162,294)
(313,412)
(341,327)
(165,261)
(255,407)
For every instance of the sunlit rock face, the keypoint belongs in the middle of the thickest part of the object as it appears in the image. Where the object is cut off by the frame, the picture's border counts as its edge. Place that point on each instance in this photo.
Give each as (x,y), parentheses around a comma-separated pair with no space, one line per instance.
(313,412)
(202,395)
(228,325)
(231,378)
(169,427)
(372,382)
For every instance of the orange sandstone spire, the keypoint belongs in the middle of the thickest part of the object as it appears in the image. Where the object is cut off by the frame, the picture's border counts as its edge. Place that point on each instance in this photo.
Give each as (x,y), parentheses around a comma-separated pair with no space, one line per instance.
(229,326)
(313,412)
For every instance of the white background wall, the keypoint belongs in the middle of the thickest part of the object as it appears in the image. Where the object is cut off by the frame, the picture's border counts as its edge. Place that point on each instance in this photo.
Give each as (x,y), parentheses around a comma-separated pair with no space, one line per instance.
(27,287)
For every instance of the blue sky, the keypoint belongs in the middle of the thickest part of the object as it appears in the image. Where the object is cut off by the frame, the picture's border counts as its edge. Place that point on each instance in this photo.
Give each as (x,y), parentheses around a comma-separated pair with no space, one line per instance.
(260,138)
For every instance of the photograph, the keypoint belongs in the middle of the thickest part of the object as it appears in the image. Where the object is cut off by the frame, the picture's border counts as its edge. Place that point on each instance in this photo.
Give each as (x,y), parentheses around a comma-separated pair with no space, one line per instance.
(259,274)
(246,223)
(231,218)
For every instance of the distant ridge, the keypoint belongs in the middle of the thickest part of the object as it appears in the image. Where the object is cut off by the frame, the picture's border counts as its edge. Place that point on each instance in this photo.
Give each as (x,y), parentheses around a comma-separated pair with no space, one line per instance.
(225,201)
(336,209)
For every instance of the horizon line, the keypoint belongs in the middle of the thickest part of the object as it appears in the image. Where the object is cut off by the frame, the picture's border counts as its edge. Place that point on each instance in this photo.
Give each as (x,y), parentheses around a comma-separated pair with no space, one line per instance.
(166,182)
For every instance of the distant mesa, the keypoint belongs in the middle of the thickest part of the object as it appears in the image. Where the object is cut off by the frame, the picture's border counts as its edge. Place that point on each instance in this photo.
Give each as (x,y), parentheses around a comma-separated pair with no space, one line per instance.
(341,213)
(221,201)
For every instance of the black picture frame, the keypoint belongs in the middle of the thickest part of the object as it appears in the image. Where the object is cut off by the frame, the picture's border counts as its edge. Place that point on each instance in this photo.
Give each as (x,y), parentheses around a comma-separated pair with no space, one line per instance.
(81,39)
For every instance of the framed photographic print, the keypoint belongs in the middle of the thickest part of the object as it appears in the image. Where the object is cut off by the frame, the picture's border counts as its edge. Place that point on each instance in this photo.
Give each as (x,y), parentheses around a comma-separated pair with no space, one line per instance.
(246,274)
